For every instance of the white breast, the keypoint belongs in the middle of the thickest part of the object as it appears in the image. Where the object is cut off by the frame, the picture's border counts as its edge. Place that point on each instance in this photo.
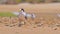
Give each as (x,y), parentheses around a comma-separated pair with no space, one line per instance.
(24,13)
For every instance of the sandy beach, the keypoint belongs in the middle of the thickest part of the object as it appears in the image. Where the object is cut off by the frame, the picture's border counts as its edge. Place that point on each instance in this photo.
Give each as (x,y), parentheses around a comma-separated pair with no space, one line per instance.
(44,23)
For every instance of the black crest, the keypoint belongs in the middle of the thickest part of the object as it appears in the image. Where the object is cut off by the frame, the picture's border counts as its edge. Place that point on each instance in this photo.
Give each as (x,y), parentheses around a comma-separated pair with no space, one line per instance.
(22,9)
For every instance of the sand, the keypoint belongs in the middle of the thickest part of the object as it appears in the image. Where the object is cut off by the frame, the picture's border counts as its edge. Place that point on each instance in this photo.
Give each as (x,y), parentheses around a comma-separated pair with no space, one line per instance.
(46,19)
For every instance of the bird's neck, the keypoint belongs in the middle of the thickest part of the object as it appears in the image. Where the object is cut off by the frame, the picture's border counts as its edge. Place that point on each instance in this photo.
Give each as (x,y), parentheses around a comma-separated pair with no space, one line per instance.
(22,11)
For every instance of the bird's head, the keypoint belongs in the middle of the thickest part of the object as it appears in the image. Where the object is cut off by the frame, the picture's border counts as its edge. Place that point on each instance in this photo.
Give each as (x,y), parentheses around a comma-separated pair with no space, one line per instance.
(22,9)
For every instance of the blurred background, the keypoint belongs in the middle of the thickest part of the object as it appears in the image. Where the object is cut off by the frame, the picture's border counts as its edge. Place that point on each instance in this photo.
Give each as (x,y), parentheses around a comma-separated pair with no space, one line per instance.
(44,6)
(27,1)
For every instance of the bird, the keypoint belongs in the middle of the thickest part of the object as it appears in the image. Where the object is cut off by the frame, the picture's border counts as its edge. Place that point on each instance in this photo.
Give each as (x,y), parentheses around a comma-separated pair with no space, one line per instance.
(22,12)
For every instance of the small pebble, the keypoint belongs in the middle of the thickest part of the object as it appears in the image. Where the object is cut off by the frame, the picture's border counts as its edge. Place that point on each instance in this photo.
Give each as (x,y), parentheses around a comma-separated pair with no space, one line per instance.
(55,29)
(11,26)
(39,25)
(6,25)
(34,27)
